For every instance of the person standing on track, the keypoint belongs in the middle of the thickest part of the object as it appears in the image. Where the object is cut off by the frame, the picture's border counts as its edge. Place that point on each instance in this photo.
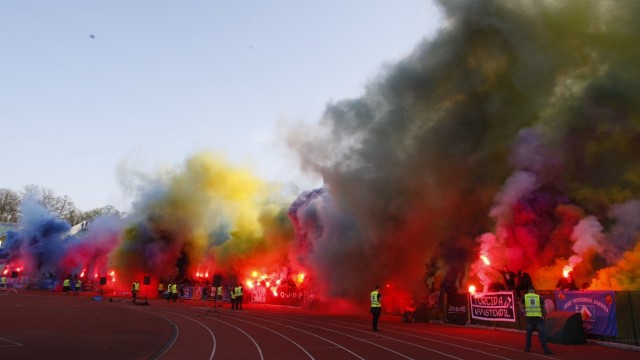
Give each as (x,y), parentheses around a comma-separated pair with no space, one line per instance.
(204,295)
(66,285)
(376,307)
(78,286)
(239,296)
(232,293)
(160,289)
(169,285)
(535,318)
(174,292)
(135,288)
(219,295)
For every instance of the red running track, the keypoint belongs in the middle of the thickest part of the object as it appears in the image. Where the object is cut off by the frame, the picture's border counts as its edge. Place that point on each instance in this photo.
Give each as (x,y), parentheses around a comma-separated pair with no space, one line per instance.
(43,325)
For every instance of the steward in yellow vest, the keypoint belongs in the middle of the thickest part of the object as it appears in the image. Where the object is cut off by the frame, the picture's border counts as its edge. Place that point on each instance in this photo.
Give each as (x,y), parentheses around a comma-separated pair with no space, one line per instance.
(376,307)
(535,319)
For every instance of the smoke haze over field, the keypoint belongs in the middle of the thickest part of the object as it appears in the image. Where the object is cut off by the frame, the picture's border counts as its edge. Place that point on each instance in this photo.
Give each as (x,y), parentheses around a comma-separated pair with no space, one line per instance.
(514,134)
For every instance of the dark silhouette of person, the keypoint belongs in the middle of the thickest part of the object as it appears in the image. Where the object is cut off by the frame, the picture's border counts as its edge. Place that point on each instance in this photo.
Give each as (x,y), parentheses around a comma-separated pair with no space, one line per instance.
(523,283)
(508,276)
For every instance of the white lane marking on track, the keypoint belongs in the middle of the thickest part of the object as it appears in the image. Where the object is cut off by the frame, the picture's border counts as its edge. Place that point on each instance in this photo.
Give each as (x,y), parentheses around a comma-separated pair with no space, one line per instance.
(12,343)
(277,333)
(458,338)
(312,334)
(224,322)
(438,341)
(213,337)
(374,344)
(173,341)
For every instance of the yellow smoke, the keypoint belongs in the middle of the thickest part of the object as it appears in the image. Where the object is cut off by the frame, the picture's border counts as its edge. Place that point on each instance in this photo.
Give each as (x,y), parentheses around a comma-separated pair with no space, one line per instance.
(625,275)
(209,214)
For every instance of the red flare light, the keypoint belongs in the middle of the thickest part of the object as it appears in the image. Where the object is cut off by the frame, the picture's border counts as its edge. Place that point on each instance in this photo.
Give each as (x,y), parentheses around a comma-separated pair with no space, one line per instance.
(567,269)
(6,271)
(485,259)
(472,289)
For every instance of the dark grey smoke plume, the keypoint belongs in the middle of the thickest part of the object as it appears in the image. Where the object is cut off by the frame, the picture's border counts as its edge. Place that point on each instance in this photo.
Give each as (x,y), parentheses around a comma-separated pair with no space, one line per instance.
(543,87)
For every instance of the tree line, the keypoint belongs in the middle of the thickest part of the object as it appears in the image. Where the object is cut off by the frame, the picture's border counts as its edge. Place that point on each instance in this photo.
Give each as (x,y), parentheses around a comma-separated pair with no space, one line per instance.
(61,206)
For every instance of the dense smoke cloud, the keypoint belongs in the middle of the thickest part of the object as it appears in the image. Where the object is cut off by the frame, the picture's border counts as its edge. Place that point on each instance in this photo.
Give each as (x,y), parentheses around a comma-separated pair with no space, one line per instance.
(205,217)
(519,121)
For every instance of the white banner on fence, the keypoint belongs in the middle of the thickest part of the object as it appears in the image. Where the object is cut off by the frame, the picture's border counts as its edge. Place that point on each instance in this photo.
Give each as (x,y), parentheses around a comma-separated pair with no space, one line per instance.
(493,306)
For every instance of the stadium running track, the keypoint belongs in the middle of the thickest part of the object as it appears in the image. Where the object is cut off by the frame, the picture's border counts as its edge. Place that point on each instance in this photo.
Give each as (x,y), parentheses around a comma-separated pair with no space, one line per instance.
(46,325)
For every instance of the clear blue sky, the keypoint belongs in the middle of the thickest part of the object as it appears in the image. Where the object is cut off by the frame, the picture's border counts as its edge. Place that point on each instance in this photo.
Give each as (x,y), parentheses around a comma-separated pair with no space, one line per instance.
(86,86)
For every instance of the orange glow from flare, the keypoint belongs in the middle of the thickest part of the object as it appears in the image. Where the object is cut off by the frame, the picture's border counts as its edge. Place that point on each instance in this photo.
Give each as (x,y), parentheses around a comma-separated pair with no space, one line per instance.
(250,284)
(472,289)
(566,270)
(485,259)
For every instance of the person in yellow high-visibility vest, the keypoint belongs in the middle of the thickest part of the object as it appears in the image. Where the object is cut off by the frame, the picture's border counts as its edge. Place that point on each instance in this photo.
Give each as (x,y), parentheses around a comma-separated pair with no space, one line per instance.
(66,286)
(174,292)
(232,291)
(239,296)
(218,295)
(135,288)
(535,313)
(78,286)
(3,282)
(376,307)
